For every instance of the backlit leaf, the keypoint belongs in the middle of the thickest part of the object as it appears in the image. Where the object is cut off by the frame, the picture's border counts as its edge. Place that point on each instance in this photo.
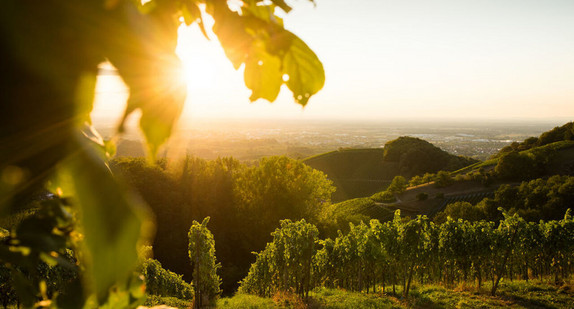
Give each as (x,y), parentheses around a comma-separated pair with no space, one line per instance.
(191,13)
(283,5)
(305,71)
(230,30)
(263,76)
(85,92)
(111,224)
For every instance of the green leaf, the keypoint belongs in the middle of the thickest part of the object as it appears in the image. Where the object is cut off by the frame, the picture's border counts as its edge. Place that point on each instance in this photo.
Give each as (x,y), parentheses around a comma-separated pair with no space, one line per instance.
(110,220)
(152,71)
(282,5)
(25,288)
(85,92)
(230,29)
(74,298)
(263,75)
(160,97)
(264,12)
(192,13)
(305,71)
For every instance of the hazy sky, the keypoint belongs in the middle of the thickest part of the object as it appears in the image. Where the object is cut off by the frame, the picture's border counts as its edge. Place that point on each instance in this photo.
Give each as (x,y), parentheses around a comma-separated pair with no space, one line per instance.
(405,59)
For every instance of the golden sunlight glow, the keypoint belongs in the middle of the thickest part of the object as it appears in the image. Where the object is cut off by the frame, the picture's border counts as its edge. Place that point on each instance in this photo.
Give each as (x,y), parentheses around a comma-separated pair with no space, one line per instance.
(111,95)
(199,65)
(380,63)
(212,82)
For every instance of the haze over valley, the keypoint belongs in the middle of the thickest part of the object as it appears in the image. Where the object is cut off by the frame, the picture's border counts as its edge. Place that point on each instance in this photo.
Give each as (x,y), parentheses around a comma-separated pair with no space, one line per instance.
(250,139)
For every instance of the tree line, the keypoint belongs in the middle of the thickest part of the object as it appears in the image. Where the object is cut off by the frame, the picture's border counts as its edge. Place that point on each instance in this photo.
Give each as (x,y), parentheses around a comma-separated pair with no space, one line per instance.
(245,203)
(534,200)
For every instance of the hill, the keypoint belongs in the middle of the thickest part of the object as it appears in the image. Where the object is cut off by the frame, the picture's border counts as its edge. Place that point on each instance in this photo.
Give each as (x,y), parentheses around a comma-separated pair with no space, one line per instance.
(558,159)
(552,153)
(415,156)
(354,172)
(551,159)
(561,133)
(362,172)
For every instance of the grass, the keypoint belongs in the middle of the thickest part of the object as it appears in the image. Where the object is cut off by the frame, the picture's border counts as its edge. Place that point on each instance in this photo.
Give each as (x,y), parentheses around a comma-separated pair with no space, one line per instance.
(359,207)
(244,301)
(517,294)
(155,300)
(476,166)
(340,299)
(355,172)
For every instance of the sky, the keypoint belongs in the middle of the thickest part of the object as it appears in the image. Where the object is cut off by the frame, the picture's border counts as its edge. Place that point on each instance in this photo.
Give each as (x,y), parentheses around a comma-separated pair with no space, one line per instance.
(401,59)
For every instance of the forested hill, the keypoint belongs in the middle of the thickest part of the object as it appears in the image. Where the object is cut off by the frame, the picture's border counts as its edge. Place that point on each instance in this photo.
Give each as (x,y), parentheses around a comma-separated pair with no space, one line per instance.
(558,134)
(362,172)
(415,156)
(537,183)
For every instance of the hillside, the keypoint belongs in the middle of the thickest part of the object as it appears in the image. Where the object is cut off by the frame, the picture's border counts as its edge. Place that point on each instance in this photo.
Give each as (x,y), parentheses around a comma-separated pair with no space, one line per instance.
(354,172)
(362,172)
(557,159)
(552,153)
(561,133)
(415,156)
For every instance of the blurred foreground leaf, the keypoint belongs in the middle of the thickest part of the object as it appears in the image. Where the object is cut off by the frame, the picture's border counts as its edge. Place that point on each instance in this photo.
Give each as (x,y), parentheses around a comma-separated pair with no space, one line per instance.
(110,221)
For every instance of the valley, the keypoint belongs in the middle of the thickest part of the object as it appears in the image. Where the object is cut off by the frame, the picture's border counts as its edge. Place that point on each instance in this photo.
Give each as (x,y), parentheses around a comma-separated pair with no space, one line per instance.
(253,139)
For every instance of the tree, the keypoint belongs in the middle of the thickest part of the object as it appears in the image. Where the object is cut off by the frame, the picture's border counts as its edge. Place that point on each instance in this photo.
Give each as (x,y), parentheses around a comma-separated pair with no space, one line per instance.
(422,196)
(398,185)
(460,210)
(202,254)
(50,51)
(443,179)
(515,165)
(279,188)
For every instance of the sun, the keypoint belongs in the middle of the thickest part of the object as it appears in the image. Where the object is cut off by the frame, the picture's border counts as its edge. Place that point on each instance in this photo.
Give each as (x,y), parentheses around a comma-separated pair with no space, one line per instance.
(201,59)
(213,85)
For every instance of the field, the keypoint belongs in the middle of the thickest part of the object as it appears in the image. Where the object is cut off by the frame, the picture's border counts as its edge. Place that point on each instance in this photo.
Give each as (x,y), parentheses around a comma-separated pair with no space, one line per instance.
(517,294)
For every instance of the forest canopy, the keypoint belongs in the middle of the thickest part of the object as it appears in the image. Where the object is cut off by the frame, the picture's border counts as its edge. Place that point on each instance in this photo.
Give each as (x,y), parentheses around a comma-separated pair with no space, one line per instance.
(245,204)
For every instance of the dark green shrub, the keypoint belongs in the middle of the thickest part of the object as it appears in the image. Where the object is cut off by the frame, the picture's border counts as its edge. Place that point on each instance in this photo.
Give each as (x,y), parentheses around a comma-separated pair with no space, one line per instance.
(162,282)
(443,179)
(384,197)
(422,196)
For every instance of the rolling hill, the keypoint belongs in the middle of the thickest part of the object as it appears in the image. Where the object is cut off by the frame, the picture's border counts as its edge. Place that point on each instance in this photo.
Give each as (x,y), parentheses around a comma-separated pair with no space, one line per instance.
(354,172)
(362,172)
(557,158)
(552,153)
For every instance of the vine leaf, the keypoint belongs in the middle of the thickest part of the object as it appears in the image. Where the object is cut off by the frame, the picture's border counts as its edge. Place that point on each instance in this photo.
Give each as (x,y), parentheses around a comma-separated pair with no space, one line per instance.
(305,71)
(257,39)
(263,75)
(191,13)
(151,70)
(111,222)
(283,5)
